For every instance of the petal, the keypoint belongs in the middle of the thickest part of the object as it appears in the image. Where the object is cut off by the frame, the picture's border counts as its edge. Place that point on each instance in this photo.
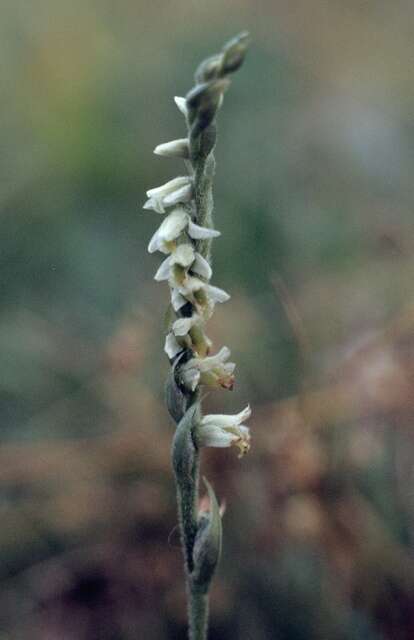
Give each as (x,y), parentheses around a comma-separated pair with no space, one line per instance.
(173,225)
(181,104)
(168,187)
(183,255)
(154,204)
(171,346)
(155,243)
(164,270)
(229,367)
(215,294)
(215,361)
(177,300)
(201,233)
(227,420)
(183,194)
(202,267)
(211,436)
(183,325)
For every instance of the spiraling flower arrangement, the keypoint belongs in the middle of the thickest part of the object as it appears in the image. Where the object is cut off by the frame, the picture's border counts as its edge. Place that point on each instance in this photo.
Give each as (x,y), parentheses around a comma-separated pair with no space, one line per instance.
(184,237)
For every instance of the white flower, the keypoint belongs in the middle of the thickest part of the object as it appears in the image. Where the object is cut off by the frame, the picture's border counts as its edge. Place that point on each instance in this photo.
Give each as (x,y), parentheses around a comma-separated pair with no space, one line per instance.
(173,226)
(213,371)
(168,231)
(224,431)
(181,104)
(167,195)
(187,332)
(174,149)
(202,295)
(175,267)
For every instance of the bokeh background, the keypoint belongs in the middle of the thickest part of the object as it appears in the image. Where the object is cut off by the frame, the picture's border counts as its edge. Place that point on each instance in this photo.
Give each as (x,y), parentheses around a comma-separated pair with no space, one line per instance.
(314,198)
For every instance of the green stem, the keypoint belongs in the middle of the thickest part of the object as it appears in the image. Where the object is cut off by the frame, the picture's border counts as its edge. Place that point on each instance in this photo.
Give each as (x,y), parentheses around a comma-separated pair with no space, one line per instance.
(198,614)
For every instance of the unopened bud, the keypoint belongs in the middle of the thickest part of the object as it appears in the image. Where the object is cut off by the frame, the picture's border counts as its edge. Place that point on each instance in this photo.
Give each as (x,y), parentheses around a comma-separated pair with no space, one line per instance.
(234,52)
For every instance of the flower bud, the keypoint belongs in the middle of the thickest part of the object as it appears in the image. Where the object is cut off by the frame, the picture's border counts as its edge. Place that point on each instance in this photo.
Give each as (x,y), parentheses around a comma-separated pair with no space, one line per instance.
(234,52)
(207,545)
(174,149)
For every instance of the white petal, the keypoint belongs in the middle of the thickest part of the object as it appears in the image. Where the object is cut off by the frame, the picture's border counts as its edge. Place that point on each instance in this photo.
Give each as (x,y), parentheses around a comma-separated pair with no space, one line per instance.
(154,204)
(227,420)
(183,194)
(202,267)
(210,436)
(173,149)
(168,187)
(171,346)
(164,270)
(229,367)
(183,325)
(173,225)
(206,364)
(201,233)
(215,294)
(177,300)
(155,243)
(183,255)
(181,104)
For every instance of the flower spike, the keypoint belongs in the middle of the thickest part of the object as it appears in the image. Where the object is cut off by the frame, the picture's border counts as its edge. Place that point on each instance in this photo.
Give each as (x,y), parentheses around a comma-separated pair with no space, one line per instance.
(184,237)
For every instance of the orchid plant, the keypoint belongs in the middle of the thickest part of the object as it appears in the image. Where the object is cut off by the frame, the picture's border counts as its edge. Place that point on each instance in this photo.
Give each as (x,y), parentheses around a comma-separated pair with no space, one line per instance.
(184,237)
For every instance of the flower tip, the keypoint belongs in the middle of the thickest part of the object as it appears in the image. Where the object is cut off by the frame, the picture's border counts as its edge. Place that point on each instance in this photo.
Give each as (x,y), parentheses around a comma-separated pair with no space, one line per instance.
(228,383)
(181,104)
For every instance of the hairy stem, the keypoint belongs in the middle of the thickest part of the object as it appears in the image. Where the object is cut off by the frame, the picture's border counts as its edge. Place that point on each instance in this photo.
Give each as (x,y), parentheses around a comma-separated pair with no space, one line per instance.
(197,614)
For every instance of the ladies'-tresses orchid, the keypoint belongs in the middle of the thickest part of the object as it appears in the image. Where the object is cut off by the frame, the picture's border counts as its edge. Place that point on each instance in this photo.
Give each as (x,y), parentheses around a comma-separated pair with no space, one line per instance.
(173,226)
(213,371)
(188,200)
(224,431)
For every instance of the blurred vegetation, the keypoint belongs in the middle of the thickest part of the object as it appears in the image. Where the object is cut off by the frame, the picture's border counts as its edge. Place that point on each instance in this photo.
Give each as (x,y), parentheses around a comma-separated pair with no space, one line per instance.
(314,196)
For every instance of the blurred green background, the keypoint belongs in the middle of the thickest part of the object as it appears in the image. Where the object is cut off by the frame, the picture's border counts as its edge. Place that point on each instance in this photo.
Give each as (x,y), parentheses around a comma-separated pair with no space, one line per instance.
(314,197)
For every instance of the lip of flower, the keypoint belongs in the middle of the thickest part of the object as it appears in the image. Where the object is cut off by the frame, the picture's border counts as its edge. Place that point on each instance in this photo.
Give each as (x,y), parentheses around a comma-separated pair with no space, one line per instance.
(224,431)
(172,227)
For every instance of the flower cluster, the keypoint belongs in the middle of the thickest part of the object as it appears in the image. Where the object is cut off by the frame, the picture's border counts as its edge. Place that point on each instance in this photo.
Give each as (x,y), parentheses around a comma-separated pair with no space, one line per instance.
(187,271)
